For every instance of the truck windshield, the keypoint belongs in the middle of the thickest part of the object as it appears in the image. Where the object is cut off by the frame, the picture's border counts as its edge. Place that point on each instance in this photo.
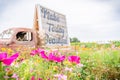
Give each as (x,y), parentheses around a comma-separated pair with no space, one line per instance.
(6,34)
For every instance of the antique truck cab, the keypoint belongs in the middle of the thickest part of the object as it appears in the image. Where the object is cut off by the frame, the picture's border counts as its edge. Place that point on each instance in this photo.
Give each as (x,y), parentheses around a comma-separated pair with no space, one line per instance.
(16,37)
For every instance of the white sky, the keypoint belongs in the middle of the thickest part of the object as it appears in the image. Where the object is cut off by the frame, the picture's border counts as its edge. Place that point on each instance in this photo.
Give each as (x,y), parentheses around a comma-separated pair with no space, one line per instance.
(88,20)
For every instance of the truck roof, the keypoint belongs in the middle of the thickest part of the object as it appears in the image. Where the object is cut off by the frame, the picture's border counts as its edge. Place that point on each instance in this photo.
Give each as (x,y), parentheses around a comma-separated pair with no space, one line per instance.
(19,28)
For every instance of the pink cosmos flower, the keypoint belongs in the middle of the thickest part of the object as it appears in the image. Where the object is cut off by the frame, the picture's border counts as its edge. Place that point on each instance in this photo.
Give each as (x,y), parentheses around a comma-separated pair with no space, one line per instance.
(74,59)
(6,60)
(40,50)
(32,78)
(39,79)
(42,54)
(51,57)
(59,59)
(62,58)
(34,52)
(3,55)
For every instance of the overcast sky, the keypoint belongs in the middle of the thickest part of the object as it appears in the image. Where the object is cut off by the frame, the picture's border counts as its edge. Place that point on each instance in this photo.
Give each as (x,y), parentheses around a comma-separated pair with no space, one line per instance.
(88,20)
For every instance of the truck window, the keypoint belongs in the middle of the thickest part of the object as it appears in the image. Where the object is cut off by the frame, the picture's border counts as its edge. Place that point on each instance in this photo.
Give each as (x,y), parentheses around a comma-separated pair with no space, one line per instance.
(24,36)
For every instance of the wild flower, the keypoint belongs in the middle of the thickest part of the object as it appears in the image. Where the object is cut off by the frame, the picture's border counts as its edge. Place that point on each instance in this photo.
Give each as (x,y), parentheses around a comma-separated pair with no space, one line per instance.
(43,55)
(6,60)
(33,52)
(80,65)
(12,77)
(40,79)
(33,78)
(68,69)
(9,50)
(15,76)
(56,52)
(3,49)
(54,58)
(51,56)
(59,59)
(66,62)
(60,76)
(55,68)
(74,59)
(40,50)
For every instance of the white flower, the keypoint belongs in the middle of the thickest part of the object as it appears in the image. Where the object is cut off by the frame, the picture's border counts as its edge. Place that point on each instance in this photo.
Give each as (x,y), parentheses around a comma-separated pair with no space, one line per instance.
(68,69)
(61,77)
(80,65)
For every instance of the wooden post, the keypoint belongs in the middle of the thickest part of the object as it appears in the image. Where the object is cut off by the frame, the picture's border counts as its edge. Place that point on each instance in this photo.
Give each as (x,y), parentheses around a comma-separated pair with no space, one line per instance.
(36,27)
(36,23)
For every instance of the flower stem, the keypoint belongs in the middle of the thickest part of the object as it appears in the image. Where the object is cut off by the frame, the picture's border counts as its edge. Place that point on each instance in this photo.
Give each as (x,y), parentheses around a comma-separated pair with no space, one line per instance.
(1,72)
(1,66)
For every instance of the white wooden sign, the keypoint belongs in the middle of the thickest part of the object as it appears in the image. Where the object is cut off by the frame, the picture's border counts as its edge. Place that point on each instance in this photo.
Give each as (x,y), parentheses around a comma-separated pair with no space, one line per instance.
(54,26)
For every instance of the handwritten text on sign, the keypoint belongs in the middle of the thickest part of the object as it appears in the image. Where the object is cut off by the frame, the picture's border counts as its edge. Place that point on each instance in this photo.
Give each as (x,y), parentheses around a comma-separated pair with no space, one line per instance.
(54,25)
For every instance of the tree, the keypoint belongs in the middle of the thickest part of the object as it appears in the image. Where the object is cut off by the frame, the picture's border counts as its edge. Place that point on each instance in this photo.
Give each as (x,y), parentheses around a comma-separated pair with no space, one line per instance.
(74,39)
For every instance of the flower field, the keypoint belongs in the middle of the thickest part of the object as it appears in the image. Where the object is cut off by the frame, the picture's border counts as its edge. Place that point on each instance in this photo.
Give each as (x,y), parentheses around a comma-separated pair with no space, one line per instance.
(99,62)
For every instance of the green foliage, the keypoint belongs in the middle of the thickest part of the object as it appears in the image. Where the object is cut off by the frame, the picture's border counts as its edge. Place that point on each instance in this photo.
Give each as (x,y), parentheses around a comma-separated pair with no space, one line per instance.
(74,39)
(91,44)
(116,43)
(101,65)
(2,72)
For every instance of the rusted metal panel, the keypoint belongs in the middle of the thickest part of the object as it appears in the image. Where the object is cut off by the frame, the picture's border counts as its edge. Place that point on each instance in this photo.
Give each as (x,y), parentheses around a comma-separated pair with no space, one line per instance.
(12,42)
